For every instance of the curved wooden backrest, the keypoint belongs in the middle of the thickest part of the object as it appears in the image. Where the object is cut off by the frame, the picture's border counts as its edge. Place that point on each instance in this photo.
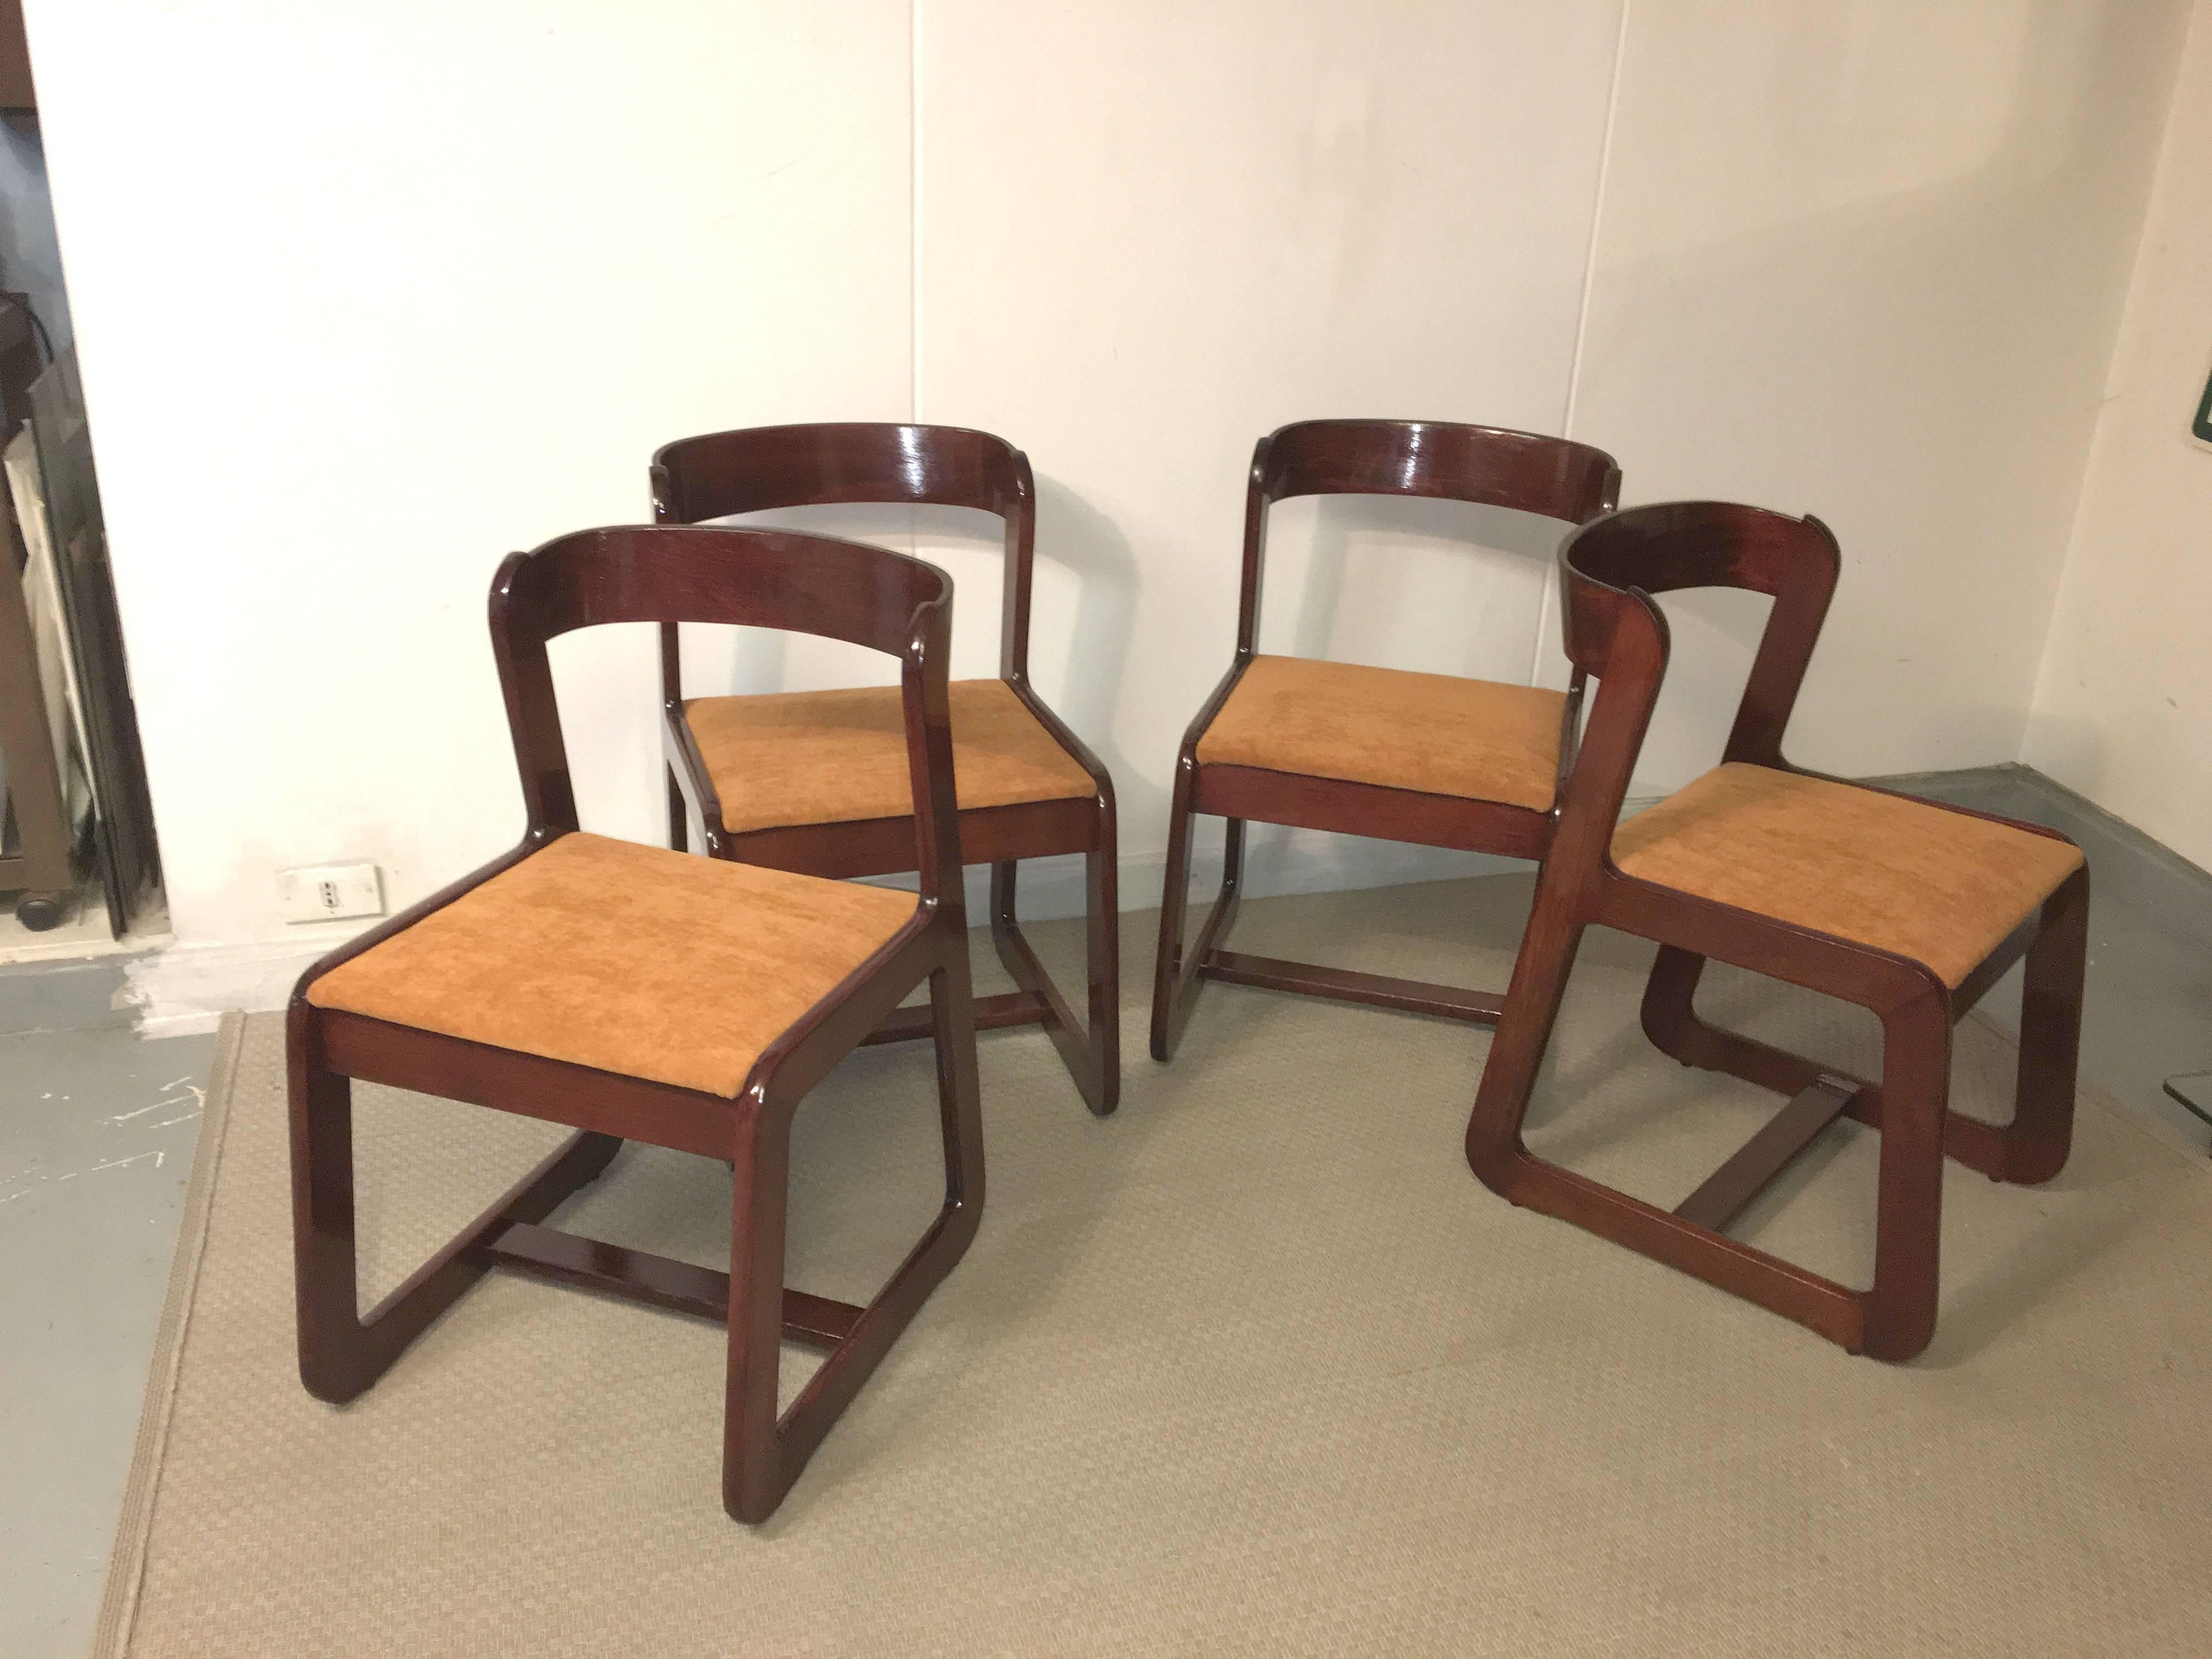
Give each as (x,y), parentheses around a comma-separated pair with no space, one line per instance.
(1610,567)
(753,469)
(1492,466)
(671,574)
(756,469)
(1487,465)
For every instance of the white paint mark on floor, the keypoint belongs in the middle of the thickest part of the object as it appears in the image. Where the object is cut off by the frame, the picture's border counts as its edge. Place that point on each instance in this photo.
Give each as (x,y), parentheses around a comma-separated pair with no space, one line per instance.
(192,1092)
(135,1157)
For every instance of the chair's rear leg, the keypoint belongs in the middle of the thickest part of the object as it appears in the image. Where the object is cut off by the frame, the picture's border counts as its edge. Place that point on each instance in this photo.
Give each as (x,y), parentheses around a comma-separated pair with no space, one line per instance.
(679,816)
(1092,1053)
(959,1101)
(1916,1086)
(754,1475)
(2041,1132)
(1670,1012)
(1102,963)
(1671,1021)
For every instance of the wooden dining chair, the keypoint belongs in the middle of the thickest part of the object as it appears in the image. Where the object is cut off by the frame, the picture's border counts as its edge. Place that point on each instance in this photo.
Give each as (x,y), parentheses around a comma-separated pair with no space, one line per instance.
(1429,758)
(814,781)
(637,993)
(1903,906)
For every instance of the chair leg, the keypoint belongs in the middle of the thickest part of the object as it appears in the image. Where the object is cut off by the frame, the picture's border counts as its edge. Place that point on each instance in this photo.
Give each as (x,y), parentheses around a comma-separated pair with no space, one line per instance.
(334,1363)
(679,817)
(1175,899)
(2032,1148)
(2041,1132)
(754,1476)
(343,1352)
(1503,1163)
(762,1456)
(1102,961)
(1092,1052)
(1494,1151)
(1916,1086)
(1175,972)
(1671,1021)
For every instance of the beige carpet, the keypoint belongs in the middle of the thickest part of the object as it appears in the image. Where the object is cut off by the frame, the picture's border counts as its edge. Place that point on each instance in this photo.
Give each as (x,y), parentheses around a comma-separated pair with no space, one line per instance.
(1254,1367)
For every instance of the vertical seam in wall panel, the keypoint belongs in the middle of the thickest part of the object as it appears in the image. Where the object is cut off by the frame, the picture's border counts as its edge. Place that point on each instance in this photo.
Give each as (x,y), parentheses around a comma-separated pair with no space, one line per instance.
(913,210)
(1582,315)
(913,237)
(2138,258)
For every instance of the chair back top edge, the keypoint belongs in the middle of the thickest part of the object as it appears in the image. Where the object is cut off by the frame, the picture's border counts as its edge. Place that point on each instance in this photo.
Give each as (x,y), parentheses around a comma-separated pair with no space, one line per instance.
(1669,545)
(1613,628)
(823,585)
(1487,465)
(755,469)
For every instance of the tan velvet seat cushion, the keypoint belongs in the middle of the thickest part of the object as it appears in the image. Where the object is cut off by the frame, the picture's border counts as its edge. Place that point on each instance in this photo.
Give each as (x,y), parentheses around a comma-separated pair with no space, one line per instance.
(799,757)
(1942,888)
(1442,735)
(628,958)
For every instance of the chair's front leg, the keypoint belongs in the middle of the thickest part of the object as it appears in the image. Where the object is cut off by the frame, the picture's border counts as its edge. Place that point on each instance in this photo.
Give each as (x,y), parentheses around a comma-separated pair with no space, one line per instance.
(1916,1087)
(1175,900)
(1093,1051)
(333,1363)
(754,1478)
(1494,1151)
(1174,982)
(342,1350)
(2041,1131)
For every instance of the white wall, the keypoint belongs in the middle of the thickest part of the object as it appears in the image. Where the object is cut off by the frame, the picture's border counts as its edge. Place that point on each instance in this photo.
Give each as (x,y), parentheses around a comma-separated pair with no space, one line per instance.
(370,295)
(1867,261)
(380,293)
(2123,711)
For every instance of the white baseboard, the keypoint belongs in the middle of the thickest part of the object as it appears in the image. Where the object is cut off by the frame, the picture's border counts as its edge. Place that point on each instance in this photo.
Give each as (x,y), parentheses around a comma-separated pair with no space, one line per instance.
(185,988)
(188,988)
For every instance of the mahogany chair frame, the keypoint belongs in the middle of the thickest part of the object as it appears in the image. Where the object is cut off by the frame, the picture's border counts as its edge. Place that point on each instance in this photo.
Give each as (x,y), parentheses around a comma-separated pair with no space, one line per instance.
(1615,631)
(841,590)
(756,469)
(1487,466)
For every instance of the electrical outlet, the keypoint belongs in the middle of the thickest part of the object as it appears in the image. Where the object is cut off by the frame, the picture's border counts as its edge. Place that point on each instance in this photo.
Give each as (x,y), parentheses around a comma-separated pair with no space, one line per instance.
(328,892)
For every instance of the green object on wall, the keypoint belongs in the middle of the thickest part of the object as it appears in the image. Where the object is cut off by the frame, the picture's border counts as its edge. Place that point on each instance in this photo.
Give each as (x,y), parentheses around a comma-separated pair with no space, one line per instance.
(2201,428)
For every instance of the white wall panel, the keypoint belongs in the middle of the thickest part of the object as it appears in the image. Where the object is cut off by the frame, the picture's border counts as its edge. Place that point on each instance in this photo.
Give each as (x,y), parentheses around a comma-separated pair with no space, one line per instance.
(367,296)
(1149,233)
(1865,260)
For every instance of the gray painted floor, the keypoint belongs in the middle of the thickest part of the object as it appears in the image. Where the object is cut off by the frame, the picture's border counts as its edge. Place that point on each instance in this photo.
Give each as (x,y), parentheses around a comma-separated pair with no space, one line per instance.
(96,1136)
(97,1130)
(2147,1014)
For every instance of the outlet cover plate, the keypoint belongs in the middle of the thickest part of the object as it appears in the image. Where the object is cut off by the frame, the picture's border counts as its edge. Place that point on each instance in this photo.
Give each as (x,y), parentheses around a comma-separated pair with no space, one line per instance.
(328,892)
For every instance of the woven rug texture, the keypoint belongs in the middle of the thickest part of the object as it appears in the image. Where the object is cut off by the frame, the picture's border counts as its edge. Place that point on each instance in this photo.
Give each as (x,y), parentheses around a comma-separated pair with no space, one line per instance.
(1254,1366)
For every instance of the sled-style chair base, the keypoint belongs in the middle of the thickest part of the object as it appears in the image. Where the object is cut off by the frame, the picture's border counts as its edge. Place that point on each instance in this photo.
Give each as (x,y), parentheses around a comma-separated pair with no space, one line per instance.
(1909,910)
(1437,760)
(634,993)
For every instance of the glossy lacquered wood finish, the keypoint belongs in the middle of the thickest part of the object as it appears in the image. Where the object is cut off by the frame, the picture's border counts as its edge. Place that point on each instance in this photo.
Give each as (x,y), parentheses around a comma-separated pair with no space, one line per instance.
(759,468)
(1616,634)
(1486,465)
(841,590)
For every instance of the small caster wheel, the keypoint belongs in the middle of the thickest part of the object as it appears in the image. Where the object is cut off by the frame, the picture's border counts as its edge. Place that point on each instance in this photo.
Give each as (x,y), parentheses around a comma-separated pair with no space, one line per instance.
(41,911)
